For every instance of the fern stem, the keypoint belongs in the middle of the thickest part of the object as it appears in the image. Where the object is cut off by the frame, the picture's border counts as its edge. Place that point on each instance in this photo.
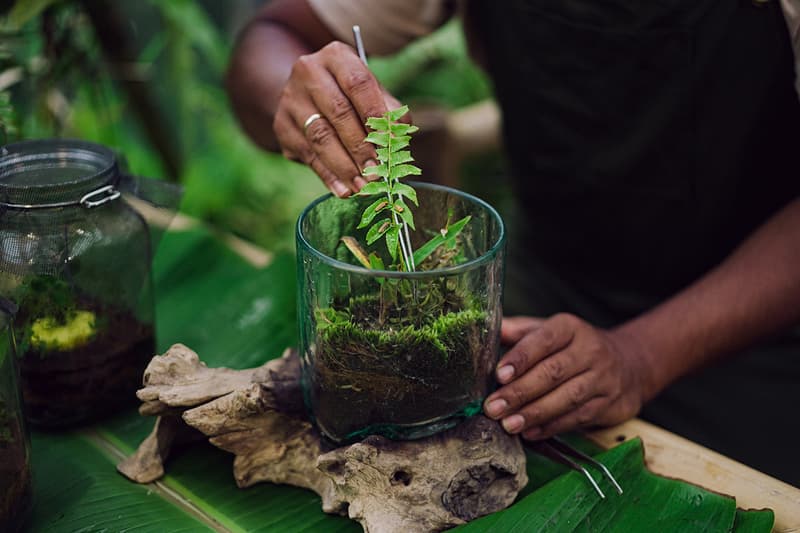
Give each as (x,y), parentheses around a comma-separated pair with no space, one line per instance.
(405,243)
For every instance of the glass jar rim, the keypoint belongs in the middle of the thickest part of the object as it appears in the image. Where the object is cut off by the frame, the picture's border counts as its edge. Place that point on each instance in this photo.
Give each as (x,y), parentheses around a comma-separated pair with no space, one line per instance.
(485,257)
(87,166)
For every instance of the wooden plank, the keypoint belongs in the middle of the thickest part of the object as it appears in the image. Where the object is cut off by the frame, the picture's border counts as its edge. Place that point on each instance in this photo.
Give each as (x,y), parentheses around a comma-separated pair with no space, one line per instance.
(673,456)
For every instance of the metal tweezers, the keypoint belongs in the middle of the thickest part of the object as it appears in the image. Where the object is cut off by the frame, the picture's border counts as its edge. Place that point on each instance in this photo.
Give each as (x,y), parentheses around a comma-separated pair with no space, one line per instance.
(559,451)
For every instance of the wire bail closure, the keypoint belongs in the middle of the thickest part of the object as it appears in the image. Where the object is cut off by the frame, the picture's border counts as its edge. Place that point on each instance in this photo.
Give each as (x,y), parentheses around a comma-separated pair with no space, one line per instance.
(110,192)
(89,200)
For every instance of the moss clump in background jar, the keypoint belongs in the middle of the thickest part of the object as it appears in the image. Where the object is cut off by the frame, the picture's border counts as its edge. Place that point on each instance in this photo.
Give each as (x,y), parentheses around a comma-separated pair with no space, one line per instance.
(80,358)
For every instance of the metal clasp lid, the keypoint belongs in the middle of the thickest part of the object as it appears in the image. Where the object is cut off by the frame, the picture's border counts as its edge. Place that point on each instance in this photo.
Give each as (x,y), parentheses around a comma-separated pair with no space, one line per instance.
(110,194)
(86,201)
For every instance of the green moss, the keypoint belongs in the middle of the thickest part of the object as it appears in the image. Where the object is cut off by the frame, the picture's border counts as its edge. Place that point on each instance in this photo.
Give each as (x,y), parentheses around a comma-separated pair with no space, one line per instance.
(77,330)
(50,318)
(439,338)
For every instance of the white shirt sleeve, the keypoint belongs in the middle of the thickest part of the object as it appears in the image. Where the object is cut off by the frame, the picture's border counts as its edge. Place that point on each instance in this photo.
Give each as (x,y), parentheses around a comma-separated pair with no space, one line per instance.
(386,25)
(791,11)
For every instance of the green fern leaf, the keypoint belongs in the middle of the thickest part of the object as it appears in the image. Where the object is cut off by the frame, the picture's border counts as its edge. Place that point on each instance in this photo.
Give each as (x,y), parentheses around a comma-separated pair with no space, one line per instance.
(395,114)
(392,239)
(401,171)
(406,190)
(404,212)
(379,138)
(372,211)
(377,230)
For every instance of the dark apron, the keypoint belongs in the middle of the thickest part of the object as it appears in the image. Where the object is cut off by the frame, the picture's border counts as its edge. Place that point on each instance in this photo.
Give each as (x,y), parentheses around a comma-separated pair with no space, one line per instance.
(647,140)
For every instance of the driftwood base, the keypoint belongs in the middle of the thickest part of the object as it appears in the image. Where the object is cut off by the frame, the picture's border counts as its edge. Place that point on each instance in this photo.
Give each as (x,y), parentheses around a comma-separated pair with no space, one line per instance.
(429,484)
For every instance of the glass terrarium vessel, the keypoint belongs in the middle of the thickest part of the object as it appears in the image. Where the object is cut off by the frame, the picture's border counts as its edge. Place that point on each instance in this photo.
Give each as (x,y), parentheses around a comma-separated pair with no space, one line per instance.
(75,257)
(399,353)
(15,471)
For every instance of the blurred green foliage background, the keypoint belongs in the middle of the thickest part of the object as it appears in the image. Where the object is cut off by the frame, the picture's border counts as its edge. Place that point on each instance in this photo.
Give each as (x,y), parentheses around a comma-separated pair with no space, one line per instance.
(145,78)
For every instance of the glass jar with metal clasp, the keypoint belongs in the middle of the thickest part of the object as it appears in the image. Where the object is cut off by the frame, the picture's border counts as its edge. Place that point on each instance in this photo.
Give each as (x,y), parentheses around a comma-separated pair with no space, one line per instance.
(75,256)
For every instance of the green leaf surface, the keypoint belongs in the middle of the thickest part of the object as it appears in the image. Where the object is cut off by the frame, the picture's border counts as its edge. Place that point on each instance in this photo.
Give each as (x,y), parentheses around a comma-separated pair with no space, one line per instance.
(378,138)
(756,521)
(406,190)
(446,238)
(403,156)
(402,129)
(395,157)
(401,142)
(381,204)
(392,236)
(377,230)
(396,114)
(378,123)
(401,171)
(374,187)
(376,262)
(77,489)
(381,170)
(402,209)
(649,503)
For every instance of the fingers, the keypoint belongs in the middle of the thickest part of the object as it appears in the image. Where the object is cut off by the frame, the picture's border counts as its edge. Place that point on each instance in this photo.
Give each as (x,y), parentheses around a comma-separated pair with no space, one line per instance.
(516,327)
(355,80)
(335,105)
(297,148)
(553,335)
(335,83)
(328,149)
(548,376)
(583,417)
(567,398)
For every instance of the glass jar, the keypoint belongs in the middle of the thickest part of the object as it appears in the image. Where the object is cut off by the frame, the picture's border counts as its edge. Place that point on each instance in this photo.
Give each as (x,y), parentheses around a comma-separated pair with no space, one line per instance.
(401,354)
(75,257)
(15,464)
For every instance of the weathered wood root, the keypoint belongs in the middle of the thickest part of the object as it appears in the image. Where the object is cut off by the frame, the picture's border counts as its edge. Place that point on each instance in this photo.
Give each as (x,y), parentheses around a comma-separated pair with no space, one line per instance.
(423,485)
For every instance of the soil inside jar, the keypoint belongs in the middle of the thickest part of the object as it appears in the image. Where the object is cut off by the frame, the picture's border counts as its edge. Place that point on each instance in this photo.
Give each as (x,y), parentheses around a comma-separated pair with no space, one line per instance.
(368,377)
(62,388)
(15,476)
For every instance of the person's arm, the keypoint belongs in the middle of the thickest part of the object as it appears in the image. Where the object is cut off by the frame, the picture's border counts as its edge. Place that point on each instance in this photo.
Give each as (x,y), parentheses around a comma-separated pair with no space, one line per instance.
(286,67)
(564,374)
(262,62)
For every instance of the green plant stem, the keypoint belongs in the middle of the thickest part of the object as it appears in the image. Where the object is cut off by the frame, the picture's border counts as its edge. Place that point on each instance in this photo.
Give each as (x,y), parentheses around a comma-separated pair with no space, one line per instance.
(405,242)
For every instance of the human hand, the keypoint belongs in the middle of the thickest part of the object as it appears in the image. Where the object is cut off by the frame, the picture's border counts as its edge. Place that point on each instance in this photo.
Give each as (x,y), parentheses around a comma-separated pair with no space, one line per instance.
(336,84)
(563,374)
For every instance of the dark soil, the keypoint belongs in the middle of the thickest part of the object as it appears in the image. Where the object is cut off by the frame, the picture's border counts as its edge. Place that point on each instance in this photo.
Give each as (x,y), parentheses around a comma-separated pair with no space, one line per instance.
(393,378)
(15,475)
(97,379)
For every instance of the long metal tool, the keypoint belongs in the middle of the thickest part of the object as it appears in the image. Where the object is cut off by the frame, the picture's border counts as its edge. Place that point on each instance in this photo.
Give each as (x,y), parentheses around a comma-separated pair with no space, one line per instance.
(561,452)
(405,238)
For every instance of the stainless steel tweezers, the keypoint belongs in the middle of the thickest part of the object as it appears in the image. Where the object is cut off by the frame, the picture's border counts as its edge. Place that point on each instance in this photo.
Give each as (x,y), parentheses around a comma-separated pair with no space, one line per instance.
(559,451)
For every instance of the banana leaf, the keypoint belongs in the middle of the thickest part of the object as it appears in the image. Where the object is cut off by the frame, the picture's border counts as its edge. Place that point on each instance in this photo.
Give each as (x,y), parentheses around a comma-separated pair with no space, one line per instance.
(238,316)
(649,503)
(77,489)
